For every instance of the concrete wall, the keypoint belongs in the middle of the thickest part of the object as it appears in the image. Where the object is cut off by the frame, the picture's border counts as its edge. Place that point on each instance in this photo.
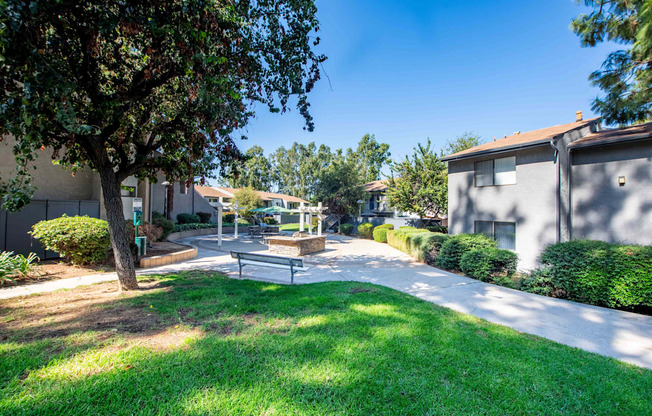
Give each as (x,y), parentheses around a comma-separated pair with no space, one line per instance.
(601,208)
(530,203)
(51,181)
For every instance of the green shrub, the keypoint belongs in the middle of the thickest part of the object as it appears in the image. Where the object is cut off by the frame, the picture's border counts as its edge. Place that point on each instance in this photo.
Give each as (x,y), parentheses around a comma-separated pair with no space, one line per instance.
(437,229)
(538,281)
(82,240)
(418,243)
(270,221)
(188,219)
(487,264)
(204,217)
(387,226)
(454,248)
(600,273)
(166,225)
(15,265)
(365,230)
(228,218)
(407,227)
(346,229)
(380,234)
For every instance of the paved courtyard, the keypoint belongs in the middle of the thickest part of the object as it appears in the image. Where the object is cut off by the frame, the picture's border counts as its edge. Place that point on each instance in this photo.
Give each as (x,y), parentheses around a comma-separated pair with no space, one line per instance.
(622,335)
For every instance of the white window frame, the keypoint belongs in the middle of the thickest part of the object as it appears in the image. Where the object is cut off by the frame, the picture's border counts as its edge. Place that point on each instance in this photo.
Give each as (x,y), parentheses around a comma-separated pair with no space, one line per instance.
(502,178)
(493,231)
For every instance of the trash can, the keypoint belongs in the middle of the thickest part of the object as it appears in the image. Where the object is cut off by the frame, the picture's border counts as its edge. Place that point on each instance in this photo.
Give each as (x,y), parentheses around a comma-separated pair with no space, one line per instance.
(141,245)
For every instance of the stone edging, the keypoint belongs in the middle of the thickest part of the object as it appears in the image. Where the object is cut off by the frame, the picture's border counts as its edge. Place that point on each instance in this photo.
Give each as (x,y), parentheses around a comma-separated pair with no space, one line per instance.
(200,232)
(186,254)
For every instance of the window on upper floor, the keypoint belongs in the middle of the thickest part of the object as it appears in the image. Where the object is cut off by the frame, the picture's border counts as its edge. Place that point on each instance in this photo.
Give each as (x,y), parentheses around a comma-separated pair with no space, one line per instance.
(496,172)
(183,190)
(503,232)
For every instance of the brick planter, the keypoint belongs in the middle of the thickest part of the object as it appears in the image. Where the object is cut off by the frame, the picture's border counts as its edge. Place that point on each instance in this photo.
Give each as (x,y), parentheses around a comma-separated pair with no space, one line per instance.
(288,246)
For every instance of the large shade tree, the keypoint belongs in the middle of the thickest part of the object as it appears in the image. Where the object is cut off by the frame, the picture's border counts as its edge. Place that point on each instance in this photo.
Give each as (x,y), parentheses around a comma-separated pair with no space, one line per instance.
(626,74)
(133,87)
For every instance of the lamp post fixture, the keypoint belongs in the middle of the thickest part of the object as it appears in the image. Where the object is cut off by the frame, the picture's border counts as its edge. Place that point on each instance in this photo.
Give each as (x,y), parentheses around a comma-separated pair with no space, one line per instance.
(165,207)
(360,202)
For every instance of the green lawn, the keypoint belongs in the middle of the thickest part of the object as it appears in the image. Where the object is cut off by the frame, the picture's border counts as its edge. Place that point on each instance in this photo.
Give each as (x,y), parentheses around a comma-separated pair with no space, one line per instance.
(252,348)
(291,227)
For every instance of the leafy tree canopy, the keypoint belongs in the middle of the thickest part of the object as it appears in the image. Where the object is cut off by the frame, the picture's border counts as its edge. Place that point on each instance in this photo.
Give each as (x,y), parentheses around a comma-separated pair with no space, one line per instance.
(419,184)
(136,87)
(464,141)
(626,74)
(248,199)
(340,187)
(370,157)
(255,172)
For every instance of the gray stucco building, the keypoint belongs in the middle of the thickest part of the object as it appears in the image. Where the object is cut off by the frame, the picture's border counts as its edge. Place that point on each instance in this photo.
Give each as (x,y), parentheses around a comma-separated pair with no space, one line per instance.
(574,180)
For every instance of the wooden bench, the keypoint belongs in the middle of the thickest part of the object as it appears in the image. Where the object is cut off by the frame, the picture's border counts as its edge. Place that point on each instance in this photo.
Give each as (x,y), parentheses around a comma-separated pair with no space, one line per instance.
(278,262)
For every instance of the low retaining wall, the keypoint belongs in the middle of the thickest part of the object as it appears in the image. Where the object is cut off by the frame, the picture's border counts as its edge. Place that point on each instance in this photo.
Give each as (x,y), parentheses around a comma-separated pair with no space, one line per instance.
(187,254)
(204,231)
(288,246)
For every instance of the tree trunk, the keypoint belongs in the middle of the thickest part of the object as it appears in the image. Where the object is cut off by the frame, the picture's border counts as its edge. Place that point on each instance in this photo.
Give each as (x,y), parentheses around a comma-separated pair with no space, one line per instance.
(124,262)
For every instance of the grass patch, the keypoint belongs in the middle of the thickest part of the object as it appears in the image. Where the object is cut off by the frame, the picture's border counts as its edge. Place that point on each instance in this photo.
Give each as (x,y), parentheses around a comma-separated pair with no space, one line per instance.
(292,227)
(210,345)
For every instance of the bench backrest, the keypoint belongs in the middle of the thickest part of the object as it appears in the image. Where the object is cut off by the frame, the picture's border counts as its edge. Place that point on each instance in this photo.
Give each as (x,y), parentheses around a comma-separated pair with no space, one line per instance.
(267,258)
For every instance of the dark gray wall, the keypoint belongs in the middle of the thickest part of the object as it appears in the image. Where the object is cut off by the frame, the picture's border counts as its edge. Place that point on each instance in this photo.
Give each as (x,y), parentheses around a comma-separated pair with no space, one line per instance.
(530,203)
(604,210)
(14,226)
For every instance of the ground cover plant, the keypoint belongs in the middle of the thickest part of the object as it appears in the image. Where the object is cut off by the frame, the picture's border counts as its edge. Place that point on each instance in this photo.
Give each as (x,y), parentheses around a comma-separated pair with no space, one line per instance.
(197,343)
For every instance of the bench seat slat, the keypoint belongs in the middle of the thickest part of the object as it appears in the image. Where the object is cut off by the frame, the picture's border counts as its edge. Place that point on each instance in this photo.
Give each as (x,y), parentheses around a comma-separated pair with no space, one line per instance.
(272,265)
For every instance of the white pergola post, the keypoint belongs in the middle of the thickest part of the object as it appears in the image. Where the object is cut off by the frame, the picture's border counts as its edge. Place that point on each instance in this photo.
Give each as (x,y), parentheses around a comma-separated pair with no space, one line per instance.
(236,220)
(219,226)
(319,218)
(310,222)
(302,218)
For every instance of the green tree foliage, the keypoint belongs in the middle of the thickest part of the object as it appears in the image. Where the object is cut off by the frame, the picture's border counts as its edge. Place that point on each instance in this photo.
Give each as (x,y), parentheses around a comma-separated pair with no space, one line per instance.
(419,184)
(248,199)
(137,87)
(296,170)
(340,187)
(370,157)
(255,172)
(464,141)
(626,74)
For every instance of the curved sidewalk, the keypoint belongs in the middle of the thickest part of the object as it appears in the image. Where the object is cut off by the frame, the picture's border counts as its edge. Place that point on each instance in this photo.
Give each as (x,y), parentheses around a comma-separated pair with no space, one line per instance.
(621,335)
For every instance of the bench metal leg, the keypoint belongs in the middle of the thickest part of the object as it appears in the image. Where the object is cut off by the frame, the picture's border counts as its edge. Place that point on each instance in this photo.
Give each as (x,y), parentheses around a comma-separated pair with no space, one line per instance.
(240,266)
(291,274)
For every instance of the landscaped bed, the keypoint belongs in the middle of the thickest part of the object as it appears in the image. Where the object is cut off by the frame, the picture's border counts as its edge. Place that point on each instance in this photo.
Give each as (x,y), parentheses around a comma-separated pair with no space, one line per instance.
(197,343)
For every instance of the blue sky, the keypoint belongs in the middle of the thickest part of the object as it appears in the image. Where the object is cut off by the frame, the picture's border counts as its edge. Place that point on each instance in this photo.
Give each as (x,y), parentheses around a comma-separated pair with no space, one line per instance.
(406,70)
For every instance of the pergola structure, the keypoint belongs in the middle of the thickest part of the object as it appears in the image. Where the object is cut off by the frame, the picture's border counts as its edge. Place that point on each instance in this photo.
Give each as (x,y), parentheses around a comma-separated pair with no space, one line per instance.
(318,211)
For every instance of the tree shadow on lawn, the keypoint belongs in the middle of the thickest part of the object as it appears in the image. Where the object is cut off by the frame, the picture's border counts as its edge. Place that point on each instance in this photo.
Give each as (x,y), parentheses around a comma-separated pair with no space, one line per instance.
(337,347)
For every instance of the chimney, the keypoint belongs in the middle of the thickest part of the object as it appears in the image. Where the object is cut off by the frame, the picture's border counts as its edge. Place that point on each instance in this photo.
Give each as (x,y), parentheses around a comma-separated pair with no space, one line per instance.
(578,116)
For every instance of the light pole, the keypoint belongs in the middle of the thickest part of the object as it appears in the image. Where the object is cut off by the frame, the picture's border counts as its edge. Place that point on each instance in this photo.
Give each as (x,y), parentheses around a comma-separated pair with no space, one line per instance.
(165,207)
(360,202)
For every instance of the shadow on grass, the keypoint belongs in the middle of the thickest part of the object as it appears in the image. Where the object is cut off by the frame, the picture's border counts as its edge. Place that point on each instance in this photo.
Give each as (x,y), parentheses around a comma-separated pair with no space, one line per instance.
(329,348)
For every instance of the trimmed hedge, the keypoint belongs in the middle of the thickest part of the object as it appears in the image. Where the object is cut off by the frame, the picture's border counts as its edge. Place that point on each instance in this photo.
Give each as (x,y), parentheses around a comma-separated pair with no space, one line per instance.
(204,217)
(437,229)
(380,234)
(387,226)
(166,225)
(365,230)
(82,240)
(270,221)
(488,264)
(188,219)
(346,229)
(418,243)
(597,273)
(456,246)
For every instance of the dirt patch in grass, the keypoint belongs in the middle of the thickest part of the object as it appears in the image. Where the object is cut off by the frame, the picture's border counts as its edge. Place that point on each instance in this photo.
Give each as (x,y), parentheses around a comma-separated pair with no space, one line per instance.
(91,308)
(47,270)
(355,290)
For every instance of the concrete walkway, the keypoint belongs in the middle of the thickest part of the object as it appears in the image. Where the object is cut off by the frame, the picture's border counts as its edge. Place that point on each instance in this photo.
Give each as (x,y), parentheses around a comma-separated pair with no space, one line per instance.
(622,335)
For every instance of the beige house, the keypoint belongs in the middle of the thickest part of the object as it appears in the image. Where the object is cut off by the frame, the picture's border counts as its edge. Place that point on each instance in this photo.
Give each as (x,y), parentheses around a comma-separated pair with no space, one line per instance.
(224,196)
